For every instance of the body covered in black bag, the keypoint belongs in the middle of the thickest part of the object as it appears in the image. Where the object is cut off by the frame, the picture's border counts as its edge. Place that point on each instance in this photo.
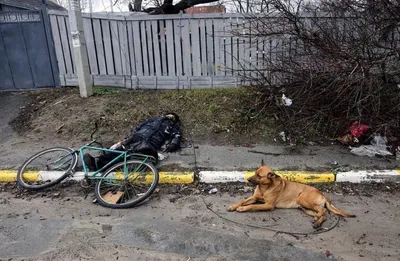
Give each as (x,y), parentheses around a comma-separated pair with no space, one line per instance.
(146,138)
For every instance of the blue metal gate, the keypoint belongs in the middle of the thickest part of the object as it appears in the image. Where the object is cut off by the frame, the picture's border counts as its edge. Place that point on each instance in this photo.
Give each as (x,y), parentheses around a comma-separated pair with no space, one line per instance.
(27,54)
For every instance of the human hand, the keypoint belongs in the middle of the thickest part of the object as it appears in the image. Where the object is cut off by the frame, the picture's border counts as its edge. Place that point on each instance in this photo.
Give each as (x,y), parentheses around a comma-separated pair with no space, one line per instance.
(116,146)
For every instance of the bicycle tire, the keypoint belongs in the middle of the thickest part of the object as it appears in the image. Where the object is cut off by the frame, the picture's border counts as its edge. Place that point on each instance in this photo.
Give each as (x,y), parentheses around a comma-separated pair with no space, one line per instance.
(39,185)
(130,203)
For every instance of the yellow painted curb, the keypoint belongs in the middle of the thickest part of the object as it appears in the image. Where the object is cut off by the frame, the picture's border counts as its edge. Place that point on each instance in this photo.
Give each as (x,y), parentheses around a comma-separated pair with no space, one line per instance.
(177,177)
(11,176)
(301,176)
(165,177)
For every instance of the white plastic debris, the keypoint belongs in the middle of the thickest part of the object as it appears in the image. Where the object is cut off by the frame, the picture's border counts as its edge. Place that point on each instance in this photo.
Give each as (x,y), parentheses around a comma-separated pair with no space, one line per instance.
(286,101)
(377,147)
(282,134)
(213,191)
(161,156)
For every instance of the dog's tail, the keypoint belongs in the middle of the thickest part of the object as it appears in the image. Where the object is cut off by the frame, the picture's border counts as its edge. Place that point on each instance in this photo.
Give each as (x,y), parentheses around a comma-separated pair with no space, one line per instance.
(337,211)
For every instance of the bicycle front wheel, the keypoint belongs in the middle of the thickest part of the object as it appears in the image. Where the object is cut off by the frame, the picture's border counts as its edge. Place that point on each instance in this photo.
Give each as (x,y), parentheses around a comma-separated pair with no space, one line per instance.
(124,189)
(47,168)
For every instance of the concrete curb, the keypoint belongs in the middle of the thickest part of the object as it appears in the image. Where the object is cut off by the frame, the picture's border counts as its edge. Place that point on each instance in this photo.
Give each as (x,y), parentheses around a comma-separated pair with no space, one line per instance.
(165,177)
(306,177)
(361,176)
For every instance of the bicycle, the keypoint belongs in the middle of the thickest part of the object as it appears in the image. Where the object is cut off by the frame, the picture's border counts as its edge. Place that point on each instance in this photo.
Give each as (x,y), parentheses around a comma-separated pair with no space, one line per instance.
(116,182)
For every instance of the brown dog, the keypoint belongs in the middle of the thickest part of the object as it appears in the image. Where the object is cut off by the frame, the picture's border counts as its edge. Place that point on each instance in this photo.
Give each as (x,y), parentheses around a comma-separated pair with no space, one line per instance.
(275,192)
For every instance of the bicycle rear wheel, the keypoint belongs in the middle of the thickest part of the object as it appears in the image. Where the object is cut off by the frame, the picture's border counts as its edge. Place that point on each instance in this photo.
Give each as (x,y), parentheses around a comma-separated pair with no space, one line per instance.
(47,168)
(119,190)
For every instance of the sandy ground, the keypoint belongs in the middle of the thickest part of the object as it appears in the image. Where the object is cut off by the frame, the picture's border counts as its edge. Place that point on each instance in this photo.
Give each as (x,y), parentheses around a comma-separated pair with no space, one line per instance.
(63,224)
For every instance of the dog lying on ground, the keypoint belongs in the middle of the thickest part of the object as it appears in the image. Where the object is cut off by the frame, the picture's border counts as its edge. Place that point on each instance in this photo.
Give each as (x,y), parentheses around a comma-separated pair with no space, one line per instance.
(275,192)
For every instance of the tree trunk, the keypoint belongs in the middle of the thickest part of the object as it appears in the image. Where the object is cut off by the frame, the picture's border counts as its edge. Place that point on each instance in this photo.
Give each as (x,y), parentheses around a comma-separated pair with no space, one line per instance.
(168,8)
(136,7)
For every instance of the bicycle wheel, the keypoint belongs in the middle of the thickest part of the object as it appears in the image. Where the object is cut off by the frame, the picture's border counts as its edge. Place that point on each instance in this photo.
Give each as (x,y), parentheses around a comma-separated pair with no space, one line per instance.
(116,190)
(46,168)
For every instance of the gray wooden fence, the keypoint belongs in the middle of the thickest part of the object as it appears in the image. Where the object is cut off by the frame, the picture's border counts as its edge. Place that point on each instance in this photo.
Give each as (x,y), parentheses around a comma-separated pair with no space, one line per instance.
(157,52)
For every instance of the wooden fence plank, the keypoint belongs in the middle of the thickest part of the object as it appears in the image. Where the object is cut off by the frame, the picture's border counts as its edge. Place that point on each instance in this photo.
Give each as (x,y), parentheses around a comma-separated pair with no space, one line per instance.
(149,45)
(242,45)
(194,29)
(65,45)
(203,46)
(178,47)
(144,48)
(137,48)
(57,44)
(253,49)
(156,30)
(218,27)
(228,47)
(123,36)
(186,50)
(246,47)
(164,58)
(87,27)
(101,49)
(235,45)
(131,42)
(171,51)
(116,46)
(71,48)
(260,55)
(210,48)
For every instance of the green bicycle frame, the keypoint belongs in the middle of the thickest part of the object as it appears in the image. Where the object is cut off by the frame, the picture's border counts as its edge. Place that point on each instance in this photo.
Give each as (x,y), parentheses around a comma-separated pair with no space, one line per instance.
(122,154)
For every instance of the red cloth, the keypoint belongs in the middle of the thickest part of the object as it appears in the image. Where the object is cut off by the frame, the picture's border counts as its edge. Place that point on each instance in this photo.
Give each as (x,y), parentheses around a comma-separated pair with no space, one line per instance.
(358,130)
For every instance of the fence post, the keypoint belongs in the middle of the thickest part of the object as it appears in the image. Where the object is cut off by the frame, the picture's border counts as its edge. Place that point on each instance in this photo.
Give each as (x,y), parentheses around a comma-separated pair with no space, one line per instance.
(80,51)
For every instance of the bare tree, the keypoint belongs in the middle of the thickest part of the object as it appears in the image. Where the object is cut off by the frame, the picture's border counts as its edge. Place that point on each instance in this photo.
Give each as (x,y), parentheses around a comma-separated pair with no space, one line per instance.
(338,60)
(65,3)
(167,6)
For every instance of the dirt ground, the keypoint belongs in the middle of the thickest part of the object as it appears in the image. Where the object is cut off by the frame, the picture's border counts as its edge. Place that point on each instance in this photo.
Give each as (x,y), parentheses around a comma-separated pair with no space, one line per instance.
(208,116)
(185,222)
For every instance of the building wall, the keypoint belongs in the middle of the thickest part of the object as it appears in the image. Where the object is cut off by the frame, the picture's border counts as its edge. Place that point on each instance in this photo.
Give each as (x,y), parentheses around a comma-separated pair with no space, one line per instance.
(206,9)
(9,8)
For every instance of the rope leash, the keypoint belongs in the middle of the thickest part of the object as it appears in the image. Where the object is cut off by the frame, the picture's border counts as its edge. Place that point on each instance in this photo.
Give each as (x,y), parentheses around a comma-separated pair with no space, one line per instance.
(294,234)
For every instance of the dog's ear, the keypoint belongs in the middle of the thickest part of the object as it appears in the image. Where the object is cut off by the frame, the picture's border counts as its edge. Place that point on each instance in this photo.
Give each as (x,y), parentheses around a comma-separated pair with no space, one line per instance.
(272,175)
(262,163)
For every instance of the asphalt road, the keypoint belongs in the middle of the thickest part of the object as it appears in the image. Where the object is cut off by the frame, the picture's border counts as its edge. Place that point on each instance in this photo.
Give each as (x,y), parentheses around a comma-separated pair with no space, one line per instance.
(63,225)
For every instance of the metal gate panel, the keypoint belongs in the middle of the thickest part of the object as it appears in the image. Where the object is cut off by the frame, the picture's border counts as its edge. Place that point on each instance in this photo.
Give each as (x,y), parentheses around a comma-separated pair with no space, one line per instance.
(6,80)
(17,55)
(25,51)
(38,54)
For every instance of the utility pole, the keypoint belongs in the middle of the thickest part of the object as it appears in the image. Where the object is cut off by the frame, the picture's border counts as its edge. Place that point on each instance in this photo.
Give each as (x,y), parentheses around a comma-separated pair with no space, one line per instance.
(80,51)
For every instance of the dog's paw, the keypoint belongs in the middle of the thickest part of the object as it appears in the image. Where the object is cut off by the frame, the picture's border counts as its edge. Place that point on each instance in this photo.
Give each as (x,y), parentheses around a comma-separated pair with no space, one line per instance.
(232,208)
(316,225)
(241,209)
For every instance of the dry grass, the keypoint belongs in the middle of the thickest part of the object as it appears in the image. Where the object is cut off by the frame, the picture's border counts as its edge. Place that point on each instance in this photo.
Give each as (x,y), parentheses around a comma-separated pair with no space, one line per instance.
(208,116)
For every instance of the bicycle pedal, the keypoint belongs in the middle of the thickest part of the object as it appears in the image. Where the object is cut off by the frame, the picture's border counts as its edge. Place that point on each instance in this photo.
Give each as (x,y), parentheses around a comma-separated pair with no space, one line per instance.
(94,201)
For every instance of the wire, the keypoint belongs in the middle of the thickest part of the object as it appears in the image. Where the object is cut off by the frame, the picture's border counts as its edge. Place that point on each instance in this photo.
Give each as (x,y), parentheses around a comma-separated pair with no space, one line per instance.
(295,234)
(96,127)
